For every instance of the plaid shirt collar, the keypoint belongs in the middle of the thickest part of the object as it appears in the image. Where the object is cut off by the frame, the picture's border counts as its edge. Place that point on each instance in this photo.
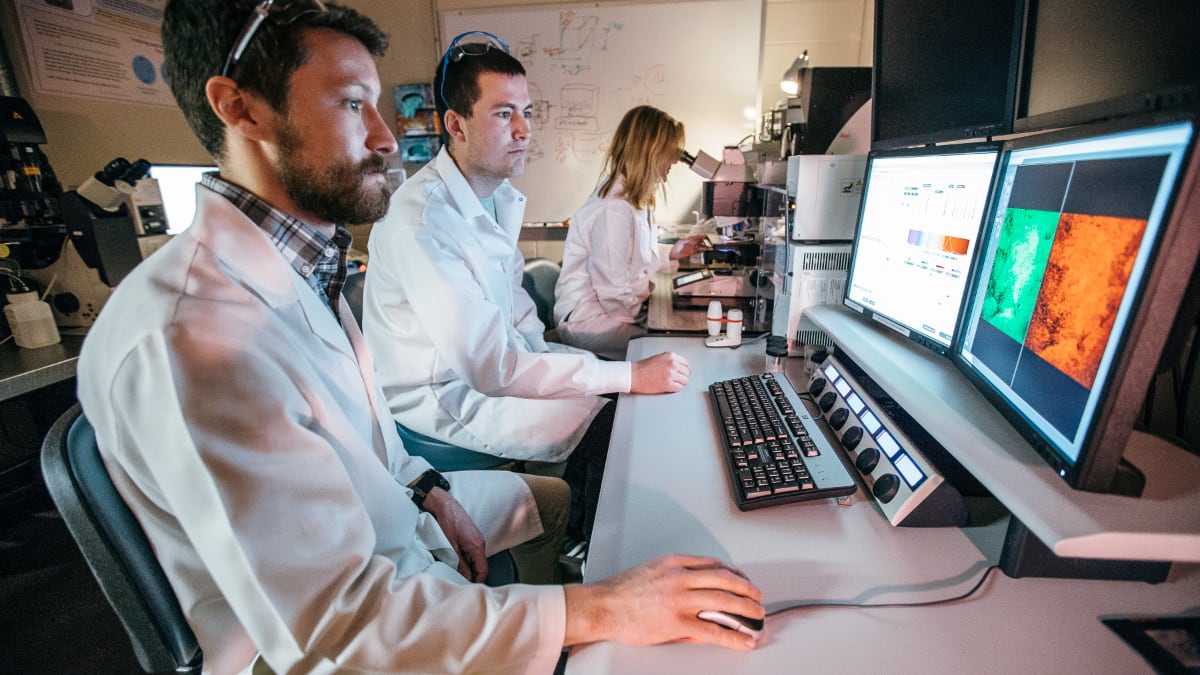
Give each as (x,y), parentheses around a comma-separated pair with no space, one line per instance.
(320,260)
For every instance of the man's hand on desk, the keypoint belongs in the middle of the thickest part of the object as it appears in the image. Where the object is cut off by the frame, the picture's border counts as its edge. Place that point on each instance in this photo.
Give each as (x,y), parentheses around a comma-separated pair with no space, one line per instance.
(663,373)
(660,601)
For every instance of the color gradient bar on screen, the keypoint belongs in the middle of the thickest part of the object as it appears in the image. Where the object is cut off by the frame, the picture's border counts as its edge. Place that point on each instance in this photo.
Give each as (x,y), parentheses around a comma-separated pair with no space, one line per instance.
(939,242)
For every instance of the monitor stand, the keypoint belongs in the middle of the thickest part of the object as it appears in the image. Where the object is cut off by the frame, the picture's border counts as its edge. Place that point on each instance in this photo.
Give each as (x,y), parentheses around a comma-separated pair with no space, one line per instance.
(1024,555)
(1128,481)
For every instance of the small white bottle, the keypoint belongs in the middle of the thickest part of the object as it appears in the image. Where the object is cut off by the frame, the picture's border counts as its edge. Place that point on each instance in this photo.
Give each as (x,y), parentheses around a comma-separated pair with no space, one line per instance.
(733,325)
(31,321)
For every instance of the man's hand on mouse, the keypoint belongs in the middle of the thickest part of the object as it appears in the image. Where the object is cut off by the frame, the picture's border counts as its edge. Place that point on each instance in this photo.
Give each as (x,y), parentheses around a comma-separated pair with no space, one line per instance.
(660,601)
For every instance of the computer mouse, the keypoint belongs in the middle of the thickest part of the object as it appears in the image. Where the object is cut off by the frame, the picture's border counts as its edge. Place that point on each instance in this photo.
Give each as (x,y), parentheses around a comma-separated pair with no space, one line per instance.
(742,624)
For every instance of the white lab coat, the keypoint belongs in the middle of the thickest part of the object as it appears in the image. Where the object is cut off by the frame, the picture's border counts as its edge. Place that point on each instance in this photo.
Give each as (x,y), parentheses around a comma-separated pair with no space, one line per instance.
(242,424)
(457,343)
(609,262)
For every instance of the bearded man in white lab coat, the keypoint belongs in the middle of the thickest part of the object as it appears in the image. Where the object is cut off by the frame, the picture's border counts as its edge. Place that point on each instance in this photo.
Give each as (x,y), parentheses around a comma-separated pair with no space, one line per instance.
(235,407)
(458,345)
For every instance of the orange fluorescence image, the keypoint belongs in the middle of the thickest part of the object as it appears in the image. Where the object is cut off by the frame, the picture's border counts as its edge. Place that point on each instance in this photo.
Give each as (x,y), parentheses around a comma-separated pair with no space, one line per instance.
(1086,275)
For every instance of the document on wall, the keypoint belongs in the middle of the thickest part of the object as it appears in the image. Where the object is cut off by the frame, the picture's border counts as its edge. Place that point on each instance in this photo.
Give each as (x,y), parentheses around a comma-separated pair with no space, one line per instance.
(101,49)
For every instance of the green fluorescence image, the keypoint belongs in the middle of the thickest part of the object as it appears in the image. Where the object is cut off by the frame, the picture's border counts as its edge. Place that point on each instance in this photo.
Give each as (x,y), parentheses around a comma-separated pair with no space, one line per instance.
(1017,273)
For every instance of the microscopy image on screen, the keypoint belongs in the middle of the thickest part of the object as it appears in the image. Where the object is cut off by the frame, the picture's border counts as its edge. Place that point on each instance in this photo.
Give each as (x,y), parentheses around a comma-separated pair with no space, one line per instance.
(1016,277)
(1084,281)
(1067,285)
(1063,260)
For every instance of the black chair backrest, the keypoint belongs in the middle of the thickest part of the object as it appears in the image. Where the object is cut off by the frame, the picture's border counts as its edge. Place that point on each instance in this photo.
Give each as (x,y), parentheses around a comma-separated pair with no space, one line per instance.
(115,548)
(353,292)
(541,275)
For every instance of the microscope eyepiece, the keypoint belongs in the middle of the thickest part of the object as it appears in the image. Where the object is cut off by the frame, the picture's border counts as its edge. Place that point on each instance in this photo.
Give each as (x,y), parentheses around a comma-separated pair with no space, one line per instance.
(135,171)
(112,171)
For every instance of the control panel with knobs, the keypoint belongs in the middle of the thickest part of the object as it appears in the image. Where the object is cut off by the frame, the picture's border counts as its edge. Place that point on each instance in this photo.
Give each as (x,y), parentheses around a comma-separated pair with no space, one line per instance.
(904,483)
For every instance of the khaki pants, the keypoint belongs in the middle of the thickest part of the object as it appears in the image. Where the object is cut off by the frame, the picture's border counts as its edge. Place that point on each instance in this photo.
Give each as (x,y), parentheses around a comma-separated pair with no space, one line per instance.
(537,559)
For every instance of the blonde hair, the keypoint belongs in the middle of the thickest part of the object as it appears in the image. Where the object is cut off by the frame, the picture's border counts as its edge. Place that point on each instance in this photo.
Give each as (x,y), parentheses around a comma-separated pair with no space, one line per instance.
(645,138)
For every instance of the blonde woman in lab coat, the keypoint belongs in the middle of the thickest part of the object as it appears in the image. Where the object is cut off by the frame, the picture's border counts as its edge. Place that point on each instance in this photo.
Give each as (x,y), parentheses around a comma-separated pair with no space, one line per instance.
(612,251)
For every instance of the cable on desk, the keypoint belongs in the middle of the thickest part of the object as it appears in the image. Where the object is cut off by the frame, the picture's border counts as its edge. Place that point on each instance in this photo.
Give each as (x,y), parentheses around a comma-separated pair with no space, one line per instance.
(751,340)
(787,606)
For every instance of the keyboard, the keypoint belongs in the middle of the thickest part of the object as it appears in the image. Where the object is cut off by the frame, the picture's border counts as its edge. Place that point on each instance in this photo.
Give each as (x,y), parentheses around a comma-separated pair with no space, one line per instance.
(775,452)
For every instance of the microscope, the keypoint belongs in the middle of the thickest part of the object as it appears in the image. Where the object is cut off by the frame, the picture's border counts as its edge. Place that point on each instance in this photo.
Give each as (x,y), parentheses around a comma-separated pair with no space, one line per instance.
(732,267)
(75,246)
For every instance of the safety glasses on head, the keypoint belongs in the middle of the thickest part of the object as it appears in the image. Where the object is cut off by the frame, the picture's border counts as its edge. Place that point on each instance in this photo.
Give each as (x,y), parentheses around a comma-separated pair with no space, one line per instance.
(280,12)
(455,52)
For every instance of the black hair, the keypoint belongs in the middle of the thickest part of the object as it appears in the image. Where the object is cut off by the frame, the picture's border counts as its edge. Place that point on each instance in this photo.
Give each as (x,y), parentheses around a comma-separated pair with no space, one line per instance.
(460,90)
(197,36)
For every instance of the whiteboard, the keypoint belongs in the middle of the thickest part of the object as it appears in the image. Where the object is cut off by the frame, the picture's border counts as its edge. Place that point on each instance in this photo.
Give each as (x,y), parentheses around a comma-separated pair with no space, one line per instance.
(588,64)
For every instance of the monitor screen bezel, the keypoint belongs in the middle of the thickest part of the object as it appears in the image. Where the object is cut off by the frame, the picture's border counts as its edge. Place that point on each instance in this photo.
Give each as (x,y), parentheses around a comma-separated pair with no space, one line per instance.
(1126,381)
(880,318)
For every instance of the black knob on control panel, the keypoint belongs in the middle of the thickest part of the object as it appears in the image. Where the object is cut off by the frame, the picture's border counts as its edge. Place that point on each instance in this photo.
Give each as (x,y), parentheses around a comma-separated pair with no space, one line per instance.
(867,459)
(838,418)
(851,438)
(828,400)
(886,487)
(820,355)
(816,386)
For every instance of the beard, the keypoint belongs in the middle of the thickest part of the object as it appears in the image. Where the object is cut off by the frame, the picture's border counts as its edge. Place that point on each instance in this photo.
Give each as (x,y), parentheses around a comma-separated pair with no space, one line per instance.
(334,191)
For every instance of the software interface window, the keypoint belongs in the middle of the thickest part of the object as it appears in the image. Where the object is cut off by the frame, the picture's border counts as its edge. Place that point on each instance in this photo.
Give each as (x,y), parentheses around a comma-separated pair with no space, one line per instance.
(920,220)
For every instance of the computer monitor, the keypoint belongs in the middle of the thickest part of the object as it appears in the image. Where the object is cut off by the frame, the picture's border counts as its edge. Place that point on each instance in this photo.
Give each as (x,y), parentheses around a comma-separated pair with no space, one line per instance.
(1079,285)
(944,70)
(177,185)
(1086,61)
(922,211)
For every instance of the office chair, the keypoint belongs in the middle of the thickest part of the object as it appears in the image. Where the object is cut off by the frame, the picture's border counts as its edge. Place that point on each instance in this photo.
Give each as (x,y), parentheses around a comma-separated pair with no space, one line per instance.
(541,274)
(352,290)
(445,456)
(115,548)
(120,557)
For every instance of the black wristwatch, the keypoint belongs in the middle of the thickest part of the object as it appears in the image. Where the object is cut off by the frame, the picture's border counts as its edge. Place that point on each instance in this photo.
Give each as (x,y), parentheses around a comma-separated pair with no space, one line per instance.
(428,480)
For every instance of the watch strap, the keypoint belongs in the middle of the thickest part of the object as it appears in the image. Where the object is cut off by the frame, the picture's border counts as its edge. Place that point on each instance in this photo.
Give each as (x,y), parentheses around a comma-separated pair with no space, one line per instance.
(426,483)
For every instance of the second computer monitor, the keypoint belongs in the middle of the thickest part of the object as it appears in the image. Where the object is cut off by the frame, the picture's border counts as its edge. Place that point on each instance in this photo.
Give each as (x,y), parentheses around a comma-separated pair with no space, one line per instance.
(922,210)
(1080,285)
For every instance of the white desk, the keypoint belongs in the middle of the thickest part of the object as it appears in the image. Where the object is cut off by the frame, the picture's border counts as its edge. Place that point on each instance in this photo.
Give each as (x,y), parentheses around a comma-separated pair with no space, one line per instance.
(666,490)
